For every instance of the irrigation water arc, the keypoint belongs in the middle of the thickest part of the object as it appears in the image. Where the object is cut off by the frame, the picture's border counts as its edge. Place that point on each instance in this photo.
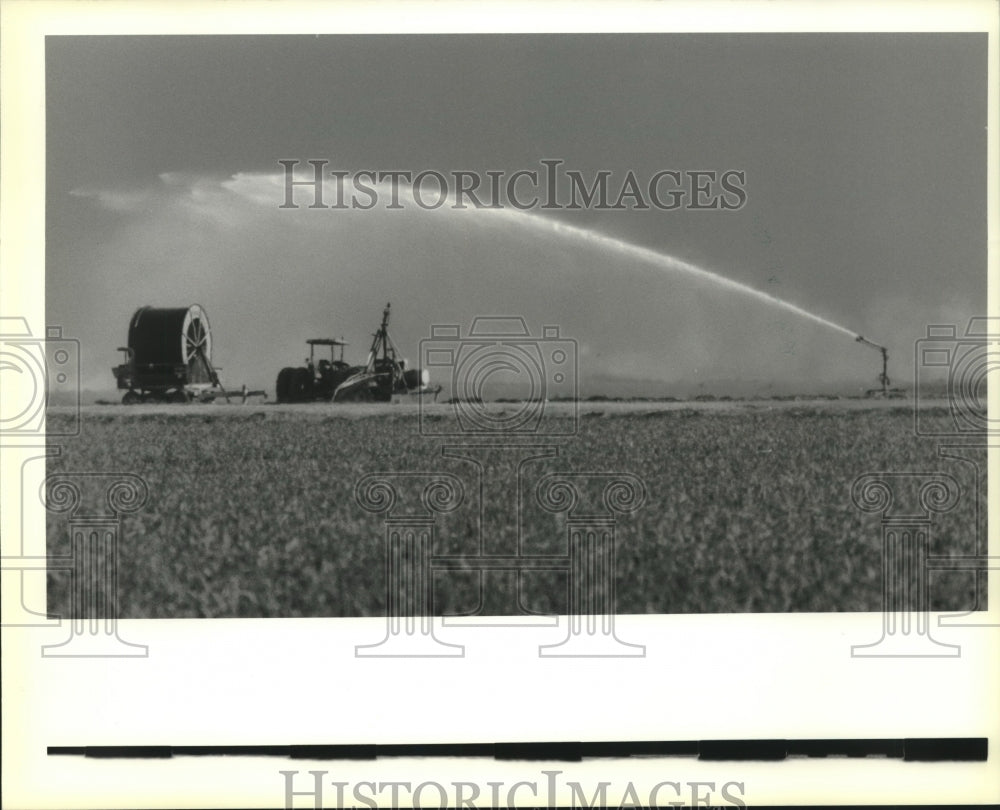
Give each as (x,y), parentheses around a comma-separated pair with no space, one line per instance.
(664,261)
(655,258)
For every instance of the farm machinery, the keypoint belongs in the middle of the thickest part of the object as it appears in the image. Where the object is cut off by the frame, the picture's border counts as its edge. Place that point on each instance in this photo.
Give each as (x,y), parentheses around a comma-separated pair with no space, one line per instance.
(883,378)
(333,380)
(169,358)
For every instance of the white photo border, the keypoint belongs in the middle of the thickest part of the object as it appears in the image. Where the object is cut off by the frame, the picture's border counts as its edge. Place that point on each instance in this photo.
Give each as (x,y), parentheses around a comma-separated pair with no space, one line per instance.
(282,682)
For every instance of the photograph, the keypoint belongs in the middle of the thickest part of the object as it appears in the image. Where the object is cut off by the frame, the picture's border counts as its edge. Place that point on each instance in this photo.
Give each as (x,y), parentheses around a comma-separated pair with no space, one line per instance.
(438,404)
(702,263)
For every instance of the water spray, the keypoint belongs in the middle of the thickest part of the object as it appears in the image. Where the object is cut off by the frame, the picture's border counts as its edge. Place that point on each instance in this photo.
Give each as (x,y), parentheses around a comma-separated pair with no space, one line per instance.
(884,376)
(664,261)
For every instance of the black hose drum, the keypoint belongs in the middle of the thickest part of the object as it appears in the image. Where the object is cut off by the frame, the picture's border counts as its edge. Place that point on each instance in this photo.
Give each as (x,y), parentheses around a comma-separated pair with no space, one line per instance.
(170,347)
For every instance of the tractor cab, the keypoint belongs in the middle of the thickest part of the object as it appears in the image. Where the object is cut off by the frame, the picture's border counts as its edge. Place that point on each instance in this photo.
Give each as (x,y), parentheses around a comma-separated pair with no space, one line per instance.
(336,358)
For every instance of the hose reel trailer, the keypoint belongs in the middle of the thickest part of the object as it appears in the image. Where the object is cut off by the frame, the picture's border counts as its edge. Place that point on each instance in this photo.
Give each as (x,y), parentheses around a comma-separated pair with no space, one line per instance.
(169,357)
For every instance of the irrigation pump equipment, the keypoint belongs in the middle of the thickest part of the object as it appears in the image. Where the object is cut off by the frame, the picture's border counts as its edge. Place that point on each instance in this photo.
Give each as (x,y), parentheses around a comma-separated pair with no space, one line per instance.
(883,378)
(169,358)
(383,375)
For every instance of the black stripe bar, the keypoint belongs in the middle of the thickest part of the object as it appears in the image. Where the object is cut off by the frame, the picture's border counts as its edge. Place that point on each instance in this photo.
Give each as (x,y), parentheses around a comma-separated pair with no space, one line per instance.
(118,751)
(847,748)
(955,749)
(565,752)
(968,749)
(333,752)
(743,749)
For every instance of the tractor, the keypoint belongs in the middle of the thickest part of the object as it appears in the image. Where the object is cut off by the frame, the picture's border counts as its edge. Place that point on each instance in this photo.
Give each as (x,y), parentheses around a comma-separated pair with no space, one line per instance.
(333,380)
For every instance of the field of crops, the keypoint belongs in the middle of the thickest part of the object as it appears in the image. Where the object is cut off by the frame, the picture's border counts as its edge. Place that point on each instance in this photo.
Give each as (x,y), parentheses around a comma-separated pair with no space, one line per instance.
(252,511)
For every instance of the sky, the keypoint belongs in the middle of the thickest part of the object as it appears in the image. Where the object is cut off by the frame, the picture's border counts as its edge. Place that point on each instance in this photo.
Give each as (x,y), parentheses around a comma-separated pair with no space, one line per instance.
(863,158)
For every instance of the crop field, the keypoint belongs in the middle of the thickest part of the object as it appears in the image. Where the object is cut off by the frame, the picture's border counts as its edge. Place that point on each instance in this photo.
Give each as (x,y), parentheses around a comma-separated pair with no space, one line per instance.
(252,511)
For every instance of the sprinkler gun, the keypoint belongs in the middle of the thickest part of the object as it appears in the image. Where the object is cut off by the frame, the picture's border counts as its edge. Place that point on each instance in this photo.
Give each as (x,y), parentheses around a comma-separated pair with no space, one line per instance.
(884,376)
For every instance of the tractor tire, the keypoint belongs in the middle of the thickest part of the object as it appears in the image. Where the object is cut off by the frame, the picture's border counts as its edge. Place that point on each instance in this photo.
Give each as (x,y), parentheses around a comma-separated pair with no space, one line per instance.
(283,387)
(415,378)
(180,397)
(302,384)
(131,398)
